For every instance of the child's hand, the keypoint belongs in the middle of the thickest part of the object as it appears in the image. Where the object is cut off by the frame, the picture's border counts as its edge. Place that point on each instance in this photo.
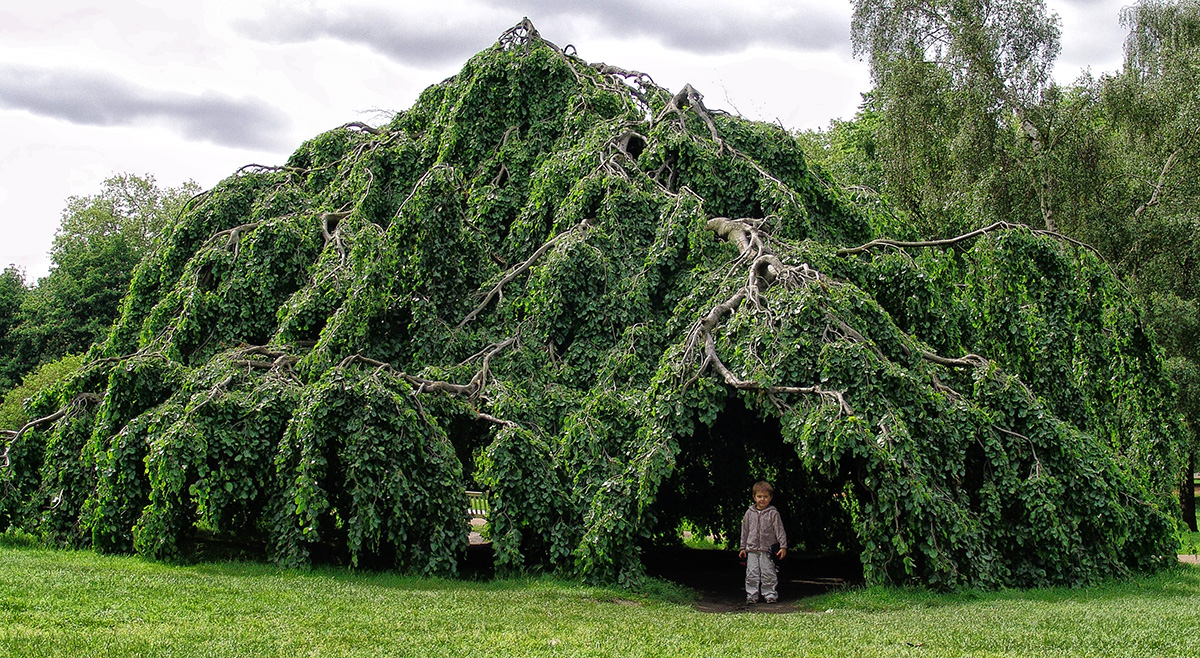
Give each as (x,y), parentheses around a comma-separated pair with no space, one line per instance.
(742,553)
(782,553)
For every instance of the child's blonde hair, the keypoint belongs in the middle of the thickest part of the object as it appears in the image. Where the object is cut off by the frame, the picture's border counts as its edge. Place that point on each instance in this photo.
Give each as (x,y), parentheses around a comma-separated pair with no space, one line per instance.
(764,487)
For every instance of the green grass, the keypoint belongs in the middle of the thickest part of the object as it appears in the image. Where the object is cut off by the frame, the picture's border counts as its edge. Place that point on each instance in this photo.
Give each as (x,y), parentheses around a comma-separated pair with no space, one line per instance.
(693,537)
(1189,543)
(78,603)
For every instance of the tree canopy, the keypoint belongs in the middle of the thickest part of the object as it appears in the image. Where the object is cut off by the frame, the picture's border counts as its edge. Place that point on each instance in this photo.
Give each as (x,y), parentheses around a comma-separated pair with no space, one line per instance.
(1110,160)
(100,241)
(614,309)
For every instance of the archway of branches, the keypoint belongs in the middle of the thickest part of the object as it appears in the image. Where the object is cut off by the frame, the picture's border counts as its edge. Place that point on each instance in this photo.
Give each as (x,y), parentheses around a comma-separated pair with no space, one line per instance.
(709,491)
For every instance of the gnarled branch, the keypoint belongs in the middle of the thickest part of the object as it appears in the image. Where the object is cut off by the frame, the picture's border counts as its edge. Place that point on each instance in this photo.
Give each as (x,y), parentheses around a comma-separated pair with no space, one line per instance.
(516,271)
(77,403)
(740,384)
(967,361)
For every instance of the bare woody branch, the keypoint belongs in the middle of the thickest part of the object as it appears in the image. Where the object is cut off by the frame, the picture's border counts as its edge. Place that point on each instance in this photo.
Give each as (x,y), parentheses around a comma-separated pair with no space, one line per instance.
(733,380)
(75,405)
(519,269)
(1162,176)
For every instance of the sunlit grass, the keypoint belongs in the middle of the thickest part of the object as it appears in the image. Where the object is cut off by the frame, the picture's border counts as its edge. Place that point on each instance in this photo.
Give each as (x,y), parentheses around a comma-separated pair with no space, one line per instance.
(67,603)
(693,537)
(1189,543)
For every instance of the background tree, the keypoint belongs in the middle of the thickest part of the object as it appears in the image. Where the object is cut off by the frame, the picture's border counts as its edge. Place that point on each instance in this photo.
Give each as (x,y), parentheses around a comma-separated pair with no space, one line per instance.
(12,293)
(960,131)
(1155,105)
(13,412)
(100,241)
(950,76)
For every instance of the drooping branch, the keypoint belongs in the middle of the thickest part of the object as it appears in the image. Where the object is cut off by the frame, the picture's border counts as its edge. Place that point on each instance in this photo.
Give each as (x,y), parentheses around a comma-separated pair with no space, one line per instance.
(519,269)
(253,168)
(991,228)
(702,330)
(75,405)
(643,80)
(733,380)
(850,333)
(637,85)
(471,389)
(422,385)
(492,419)
(967,361)
(946,242)
(234,236)
(689,97)
(360,126)
(1162,176)
(278,360)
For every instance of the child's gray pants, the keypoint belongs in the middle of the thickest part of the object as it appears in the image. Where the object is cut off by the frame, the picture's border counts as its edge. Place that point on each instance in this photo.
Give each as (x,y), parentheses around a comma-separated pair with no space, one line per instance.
(760,572)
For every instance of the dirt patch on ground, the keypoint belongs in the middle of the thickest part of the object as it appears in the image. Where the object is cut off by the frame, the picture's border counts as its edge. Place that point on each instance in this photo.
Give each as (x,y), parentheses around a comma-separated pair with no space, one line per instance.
(1190,559)
(718,577)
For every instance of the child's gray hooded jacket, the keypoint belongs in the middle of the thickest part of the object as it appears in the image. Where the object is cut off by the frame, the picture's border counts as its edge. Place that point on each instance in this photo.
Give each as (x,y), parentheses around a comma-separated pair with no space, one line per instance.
(761,529)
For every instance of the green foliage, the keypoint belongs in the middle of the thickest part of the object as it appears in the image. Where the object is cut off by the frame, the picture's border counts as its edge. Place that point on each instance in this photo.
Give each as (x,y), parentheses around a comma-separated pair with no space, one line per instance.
(1110,161)
(99,243)
(12,294)
(516,285)
(12,409)
(361,470)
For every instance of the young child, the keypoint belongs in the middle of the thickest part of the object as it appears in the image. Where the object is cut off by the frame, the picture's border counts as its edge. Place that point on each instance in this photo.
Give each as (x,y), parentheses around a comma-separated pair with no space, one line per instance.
(761,528)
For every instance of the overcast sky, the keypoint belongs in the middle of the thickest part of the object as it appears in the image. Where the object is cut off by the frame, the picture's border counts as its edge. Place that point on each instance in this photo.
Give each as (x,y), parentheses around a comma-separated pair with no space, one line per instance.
(194,90)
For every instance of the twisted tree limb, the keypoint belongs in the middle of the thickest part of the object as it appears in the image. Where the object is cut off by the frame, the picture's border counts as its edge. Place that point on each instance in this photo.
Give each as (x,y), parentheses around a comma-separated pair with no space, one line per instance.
(991,228)
(966,361)
(76,404)
(946,242)
(519,269)
(689,97)
(470,390)
(279,360)
(361,127)
(234,236)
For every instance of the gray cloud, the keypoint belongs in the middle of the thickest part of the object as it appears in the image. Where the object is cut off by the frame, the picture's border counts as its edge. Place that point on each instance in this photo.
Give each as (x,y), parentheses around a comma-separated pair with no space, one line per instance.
(716,29)
(102,99)
(397,36)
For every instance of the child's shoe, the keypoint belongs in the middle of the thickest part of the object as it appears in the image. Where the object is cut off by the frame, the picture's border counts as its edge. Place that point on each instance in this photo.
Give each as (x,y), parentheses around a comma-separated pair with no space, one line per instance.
(751,600)
(772,600)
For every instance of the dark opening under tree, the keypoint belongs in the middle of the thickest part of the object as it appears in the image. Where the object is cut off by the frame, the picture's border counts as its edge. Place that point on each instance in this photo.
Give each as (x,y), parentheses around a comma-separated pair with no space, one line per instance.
(615,309)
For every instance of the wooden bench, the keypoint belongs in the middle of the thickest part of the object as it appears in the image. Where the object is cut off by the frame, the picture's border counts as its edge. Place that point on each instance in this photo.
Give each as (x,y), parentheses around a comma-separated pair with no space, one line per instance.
(477,504)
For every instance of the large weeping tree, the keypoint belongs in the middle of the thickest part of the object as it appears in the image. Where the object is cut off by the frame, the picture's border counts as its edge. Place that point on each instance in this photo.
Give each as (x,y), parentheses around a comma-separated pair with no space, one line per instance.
(614,309)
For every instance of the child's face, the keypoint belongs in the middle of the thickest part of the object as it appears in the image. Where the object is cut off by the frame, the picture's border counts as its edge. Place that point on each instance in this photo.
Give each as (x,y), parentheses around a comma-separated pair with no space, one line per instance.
(762,499)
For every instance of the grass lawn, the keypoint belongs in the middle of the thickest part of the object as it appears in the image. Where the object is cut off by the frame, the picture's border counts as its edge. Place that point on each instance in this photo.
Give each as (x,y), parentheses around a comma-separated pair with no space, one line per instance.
(78,603)
(1189,542)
